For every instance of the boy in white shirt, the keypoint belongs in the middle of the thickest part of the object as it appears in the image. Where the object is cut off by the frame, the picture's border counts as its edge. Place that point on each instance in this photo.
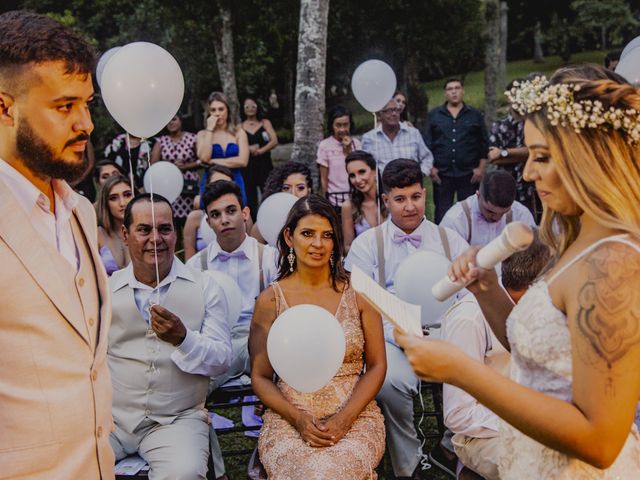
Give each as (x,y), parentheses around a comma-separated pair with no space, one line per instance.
(252,265)
(474,425)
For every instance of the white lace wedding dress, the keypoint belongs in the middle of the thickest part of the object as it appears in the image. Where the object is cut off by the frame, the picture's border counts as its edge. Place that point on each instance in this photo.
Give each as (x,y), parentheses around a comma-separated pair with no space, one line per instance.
(541,359)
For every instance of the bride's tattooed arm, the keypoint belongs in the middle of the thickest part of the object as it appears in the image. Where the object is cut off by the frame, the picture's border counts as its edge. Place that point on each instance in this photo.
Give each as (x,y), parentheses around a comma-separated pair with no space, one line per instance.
(608,316)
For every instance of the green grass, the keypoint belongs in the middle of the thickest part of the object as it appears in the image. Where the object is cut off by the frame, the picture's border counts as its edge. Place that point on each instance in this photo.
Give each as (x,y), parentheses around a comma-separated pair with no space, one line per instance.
(474,84)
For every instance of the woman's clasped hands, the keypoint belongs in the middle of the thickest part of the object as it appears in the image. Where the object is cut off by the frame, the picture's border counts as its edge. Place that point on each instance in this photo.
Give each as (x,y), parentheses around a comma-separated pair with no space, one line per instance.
(321,432)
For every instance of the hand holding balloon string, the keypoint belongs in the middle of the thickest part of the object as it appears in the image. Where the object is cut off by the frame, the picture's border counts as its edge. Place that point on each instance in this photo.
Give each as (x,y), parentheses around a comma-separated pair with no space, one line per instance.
(167,326)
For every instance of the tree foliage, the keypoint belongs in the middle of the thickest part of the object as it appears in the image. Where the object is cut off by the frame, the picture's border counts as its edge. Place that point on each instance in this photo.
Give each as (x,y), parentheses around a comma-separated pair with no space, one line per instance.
(420,39)
(605,22)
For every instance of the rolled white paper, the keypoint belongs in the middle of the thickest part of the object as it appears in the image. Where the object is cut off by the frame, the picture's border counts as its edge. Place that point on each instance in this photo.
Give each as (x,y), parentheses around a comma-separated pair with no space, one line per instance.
(516,237)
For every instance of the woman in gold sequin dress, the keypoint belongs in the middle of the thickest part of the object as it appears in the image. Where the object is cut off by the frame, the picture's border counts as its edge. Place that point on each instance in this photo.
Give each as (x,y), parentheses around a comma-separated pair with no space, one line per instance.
(338,431)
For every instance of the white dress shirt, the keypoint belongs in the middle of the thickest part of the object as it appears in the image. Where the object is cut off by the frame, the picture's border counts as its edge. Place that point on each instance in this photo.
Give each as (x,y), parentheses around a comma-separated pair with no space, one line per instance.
(364,253)
(408,143)
(55,229)
(243,267)
(465,326)
(207,352)
(482,231)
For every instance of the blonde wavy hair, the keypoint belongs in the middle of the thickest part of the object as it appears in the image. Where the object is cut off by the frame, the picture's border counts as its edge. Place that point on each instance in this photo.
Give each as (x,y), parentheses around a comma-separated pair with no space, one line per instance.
(232,126)
(599,168)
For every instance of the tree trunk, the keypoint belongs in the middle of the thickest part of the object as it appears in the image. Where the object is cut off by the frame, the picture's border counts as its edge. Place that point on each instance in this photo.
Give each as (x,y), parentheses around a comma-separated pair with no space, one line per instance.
(491,59)
(223,46)
(310,82)
(502,66)
(538,56)
(289,93)
(603,37)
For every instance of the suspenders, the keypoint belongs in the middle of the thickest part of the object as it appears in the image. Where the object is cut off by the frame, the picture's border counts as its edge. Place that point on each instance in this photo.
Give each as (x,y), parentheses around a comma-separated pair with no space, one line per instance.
(467,212)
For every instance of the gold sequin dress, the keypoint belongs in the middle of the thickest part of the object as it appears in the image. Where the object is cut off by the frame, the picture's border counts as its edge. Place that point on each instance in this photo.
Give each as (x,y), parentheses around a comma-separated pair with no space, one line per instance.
(286,456)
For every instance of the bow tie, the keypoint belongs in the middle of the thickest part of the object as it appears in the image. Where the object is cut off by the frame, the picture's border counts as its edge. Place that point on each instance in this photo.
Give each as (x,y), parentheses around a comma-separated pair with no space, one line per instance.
(224,256)
(414,239)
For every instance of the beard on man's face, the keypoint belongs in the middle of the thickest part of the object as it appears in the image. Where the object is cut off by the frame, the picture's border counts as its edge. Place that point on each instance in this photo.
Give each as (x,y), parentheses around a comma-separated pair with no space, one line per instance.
(38,156)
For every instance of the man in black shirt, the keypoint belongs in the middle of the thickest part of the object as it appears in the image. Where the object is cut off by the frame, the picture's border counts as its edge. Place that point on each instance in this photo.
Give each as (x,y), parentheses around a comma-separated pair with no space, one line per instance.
(457,136)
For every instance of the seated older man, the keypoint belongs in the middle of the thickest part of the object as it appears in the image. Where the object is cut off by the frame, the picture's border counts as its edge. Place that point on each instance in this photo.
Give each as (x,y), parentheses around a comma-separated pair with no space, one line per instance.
(169,334)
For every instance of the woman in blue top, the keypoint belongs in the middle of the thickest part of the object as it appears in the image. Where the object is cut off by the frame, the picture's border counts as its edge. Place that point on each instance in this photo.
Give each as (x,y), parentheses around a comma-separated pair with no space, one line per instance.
(222,142)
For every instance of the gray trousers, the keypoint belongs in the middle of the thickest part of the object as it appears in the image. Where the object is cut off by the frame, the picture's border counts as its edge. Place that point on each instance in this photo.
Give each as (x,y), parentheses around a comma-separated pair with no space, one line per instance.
(240,364)
(178,450)
(396,401)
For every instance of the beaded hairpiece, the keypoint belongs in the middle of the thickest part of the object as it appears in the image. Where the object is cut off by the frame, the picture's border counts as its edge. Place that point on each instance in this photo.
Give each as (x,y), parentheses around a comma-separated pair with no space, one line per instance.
(562,109)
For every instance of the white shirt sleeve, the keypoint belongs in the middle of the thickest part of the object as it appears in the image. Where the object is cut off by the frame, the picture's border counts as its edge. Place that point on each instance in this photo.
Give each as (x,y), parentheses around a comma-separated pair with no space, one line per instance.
(270,259)
(363,254)
(456,220)
(207,352)
(464,327)
(457,244)
(522,214)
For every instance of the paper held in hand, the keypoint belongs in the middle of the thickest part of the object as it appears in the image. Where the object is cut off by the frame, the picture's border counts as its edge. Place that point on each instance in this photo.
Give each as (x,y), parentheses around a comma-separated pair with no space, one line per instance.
(405,316)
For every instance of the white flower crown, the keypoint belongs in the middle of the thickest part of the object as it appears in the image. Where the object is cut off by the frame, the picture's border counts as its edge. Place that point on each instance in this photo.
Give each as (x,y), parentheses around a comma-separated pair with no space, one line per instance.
(562,109)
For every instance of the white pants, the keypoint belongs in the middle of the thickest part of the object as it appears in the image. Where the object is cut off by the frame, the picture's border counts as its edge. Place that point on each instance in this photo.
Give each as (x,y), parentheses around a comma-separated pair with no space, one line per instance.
(478,454)
(240,363)
(179,450)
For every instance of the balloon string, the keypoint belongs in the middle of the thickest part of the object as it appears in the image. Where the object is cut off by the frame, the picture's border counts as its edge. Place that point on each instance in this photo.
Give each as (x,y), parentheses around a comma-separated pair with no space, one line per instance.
(378,186)
(133,187)
(153,227)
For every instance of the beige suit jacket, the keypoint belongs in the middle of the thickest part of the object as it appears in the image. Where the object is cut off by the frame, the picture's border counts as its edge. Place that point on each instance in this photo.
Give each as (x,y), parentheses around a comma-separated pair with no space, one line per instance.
(55,388)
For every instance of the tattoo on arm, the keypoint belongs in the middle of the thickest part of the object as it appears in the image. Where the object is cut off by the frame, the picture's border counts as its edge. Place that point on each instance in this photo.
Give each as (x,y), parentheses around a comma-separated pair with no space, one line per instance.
(609,305)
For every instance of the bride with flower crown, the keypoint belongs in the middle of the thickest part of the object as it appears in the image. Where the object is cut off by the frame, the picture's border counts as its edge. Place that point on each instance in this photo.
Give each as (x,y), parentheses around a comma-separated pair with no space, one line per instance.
(569,406)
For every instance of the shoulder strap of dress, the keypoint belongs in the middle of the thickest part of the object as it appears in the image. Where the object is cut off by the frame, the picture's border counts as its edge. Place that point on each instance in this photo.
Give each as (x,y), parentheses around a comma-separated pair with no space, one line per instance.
(614,238)
(281,302)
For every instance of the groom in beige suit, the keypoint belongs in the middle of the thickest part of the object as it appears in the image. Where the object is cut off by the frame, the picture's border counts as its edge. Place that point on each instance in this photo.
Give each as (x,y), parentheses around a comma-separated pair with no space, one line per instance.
(55,390)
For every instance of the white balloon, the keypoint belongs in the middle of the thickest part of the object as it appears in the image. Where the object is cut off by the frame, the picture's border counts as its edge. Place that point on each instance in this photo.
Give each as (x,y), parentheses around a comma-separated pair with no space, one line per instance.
(272,215)
(164,178)
(629,67)
(231,292)
(306,347)
(633,44)
(373,84)
(414,278)
(142,87)
(104,58)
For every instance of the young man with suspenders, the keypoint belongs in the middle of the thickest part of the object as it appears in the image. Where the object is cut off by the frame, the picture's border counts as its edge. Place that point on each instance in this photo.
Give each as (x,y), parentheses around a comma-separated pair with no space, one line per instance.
(378,252)
(481,217)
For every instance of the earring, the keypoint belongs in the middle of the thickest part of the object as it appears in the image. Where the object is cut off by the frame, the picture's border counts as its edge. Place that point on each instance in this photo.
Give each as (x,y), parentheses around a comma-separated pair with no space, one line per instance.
(332,261)
(292,259)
